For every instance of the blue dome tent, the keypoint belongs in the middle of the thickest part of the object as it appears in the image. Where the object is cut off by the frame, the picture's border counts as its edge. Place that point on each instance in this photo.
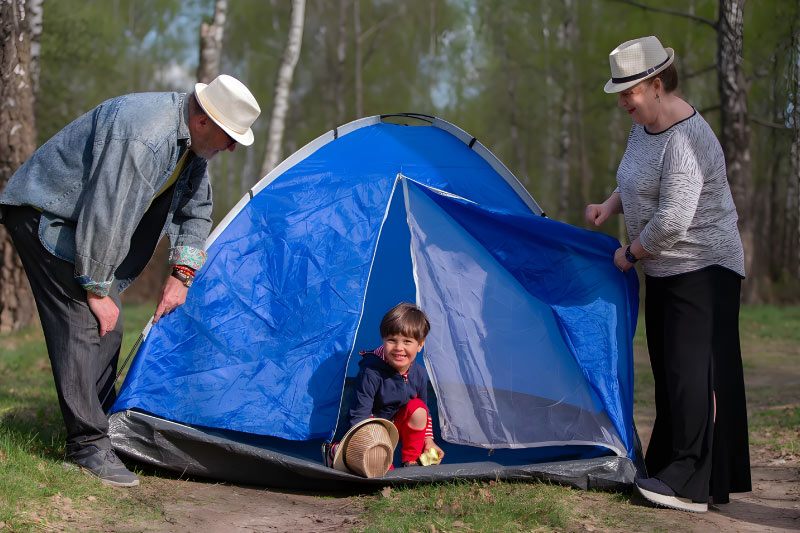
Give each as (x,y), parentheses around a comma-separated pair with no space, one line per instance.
(529,356)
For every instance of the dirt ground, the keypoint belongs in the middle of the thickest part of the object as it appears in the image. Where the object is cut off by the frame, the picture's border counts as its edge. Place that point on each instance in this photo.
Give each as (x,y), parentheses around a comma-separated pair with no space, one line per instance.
(207,507)
(772,506)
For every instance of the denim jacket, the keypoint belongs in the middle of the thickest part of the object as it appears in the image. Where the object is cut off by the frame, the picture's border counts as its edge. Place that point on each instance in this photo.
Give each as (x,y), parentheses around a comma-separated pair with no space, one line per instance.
(95,180)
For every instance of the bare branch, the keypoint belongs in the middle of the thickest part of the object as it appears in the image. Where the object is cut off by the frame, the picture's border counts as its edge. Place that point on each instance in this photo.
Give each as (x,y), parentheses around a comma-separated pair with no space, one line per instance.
(674,12)
(700,72)
(769,123)
(710,109)
(380,25)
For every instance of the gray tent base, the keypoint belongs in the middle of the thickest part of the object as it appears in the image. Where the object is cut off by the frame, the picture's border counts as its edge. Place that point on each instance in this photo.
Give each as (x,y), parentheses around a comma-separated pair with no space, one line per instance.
(253,460)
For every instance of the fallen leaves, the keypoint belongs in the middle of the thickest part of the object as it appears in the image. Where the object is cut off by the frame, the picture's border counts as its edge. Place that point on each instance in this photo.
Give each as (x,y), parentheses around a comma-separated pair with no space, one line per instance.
(486,495)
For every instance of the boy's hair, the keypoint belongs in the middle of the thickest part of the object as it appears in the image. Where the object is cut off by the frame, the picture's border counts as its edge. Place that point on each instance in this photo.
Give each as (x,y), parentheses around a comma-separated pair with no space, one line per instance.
(405,319)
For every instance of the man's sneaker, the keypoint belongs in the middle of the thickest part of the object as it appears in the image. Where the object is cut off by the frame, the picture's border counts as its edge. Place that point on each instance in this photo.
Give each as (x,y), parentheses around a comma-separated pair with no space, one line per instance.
(105,465)
(656,491)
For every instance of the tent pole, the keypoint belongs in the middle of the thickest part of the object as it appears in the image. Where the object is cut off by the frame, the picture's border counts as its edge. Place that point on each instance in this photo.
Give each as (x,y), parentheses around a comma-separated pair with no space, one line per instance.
(124,364)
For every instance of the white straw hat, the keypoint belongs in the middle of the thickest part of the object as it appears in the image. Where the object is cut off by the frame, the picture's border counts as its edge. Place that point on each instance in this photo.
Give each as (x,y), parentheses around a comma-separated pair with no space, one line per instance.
(637,60)
(230,105)
(367,449)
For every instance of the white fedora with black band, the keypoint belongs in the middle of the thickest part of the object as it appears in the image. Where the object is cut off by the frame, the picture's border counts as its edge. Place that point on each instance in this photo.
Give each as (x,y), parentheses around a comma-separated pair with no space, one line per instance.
(230,105)
(637,60)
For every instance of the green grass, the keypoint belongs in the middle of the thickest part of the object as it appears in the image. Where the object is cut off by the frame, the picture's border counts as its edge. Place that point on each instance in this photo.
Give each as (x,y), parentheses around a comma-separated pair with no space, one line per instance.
(766,323)
(470,506)
(501,507)
(777,428)
(37,490)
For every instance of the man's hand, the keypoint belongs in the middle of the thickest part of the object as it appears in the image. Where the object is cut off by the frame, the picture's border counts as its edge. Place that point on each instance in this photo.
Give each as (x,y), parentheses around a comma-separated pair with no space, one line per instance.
(105,311)
(173,294)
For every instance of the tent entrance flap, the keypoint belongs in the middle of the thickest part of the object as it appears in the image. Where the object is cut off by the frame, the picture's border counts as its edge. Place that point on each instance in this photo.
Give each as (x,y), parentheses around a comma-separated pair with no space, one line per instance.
(390,280)
(503,375)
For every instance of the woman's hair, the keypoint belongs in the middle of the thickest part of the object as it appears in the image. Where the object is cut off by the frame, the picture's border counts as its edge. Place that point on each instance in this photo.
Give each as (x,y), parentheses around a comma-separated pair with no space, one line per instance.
(669,78)
(405,319)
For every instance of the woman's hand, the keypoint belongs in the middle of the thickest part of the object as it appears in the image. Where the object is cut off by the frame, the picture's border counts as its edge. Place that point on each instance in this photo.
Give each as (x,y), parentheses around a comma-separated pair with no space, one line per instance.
(621,261)
(598,213)
(595,214)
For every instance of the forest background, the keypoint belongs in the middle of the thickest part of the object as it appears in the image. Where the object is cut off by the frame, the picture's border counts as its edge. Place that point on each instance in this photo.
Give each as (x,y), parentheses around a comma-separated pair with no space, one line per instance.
(523,76)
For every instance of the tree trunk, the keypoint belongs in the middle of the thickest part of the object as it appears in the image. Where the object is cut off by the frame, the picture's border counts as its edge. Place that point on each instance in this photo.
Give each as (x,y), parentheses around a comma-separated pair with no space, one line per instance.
(567,87)
(283,83)
(358,83)
(735,127)
(339,69)
(585,173)
(514,120)
(792,244)
(549,137)
(17,143)
(211,43)
(36,16)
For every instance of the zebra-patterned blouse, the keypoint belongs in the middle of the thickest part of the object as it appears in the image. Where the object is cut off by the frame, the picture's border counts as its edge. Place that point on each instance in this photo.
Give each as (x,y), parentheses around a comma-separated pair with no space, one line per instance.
(676,199)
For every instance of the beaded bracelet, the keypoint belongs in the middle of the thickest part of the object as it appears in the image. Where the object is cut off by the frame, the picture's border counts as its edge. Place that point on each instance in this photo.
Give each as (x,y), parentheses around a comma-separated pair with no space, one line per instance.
(186,270)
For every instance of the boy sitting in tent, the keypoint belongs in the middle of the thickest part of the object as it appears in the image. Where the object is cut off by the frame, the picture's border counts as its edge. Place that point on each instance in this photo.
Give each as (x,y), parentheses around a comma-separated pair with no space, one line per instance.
(391,386)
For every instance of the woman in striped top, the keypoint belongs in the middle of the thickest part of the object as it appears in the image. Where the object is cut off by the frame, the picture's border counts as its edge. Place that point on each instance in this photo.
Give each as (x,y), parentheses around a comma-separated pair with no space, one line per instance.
(681,221)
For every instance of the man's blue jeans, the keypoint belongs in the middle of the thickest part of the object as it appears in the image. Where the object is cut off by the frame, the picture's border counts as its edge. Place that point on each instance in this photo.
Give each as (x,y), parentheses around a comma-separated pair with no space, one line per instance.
(83,364)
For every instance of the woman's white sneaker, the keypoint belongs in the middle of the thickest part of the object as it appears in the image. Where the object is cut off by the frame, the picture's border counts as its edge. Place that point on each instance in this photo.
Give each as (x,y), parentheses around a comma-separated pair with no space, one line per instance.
(656,491)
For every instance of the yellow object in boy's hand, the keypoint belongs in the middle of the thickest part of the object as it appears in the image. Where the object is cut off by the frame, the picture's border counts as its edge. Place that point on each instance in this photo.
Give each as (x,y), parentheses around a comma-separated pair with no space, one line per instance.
(430,457)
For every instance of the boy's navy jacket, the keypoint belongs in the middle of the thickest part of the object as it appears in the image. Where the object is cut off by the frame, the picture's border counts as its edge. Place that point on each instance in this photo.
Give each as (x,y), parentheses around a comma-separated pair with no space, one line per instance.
(381,390)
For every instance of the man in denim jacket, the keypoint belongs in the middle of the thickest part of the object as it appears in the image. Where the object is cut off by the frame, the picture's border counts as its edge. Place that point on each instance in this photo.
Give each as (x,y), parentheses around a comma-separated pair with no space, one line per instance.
(86,212)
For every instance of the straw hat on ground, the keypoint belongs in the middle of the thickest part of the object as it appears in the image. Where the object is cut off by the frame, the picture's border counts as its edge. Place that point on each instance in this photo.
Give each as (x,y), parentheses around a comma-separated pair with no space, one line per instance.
(637,60)
(230,105)
(367,449)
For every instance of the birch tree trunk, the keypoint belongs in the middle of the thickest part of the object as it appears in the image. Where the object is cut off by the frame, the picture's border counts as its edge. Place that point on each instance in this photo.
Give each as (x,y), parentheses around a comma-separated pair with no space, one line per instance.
(17,143)
(341,57)
(283,83)
(35,11)
(211,43)
(735,127)
(357,53)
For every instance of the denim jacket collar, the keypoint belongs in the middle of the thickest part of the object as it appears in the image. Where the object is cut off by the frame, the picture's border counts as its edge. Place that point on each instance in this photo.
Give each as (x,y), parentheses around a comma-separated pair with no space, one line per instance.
(183,121)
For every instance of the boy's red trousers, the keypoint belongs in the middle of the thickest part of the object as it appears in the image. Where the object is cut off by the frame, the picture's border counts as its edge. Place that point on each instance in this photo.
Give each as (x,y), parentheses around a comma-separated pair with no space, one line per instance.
(413,440)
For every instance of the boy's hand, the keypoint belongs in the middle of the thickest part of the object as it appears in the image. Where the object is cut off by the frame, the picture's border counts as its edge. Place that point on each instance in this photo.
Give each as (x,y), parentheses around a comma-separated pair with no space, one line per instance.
(430,444)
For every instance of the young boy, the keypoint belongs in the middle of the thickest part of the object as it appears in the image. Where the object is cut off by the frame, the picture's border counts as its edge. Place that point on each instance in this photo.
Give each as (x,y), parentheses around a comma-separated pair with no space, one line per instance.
(391,386)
